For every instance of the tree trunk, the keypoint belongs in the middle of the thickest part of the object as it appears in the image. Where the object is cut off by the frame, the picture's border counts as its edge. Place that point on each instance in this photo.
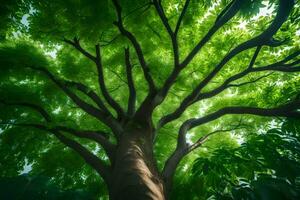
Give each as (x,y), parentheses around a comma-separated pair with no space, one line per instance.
(135,174)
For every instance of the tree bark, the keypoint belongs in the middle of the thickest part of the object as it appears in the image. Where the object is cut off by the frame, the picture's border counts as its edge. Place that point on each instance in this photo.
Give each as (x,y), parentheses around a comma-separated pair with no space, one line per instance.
(135,174)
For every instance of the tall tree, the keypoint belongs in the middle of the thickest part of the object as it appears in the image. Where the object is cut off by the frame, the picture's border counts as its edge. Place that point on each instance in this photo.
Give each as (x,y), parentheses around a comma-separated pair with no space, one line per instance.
(134,87)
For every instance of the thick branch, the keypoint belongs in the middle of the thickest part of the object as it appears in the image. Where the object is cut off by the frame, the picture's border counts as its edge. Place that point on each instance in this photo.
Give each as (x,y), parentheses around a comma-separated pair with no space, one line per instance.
(90,158)
(132,92)
(251,64)
(76,44)
(173,161)
(172,34)
(91,94)
(264,38)
(179,67)
(227,84)
(182,149)
(102,85)
(162,16)
(109,121)
(223,18)
(136,46)
(98,136)
(278,66)
(288,110)
(285,7)
(186,4)
(222,13)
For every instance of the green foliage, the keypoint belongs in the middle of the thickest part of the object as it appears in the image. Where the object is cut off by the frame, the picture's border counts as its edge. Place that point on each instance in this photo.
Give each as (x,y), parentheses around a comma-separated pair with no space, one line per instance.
(20,55)
(31,36)
(266,166)
(26,187)
(11,13)
(252,7)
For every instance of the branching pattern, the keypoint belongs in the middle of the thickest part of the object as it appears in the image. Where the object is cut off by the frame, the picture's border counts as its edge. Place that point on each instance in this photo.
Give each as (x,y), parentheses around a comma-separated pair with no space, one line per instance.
(119,120)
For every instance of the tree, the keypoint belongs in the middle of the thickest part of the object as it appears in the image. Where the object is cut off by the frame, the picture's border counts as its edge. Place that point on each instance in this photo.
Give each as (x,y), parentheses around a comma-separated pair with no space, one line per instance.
(186,67)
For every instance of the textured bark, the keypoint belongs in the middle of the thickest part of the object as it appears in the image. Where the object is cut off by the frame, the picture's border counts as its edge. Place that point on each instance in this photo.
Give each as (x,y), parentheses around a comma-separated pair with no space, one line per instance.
(135,174)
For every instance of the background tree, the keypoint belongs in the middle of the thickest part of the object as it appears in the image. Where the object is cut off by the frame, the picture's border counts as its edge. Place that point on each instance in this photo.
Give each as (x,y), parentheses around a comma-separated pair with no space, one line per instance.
(141,85)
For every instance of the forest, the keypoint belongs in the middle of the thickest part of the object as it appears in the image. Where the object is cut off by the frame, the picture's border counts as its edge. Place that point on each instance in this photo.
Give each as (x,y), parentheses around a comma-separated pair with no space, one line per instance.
(150,100)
